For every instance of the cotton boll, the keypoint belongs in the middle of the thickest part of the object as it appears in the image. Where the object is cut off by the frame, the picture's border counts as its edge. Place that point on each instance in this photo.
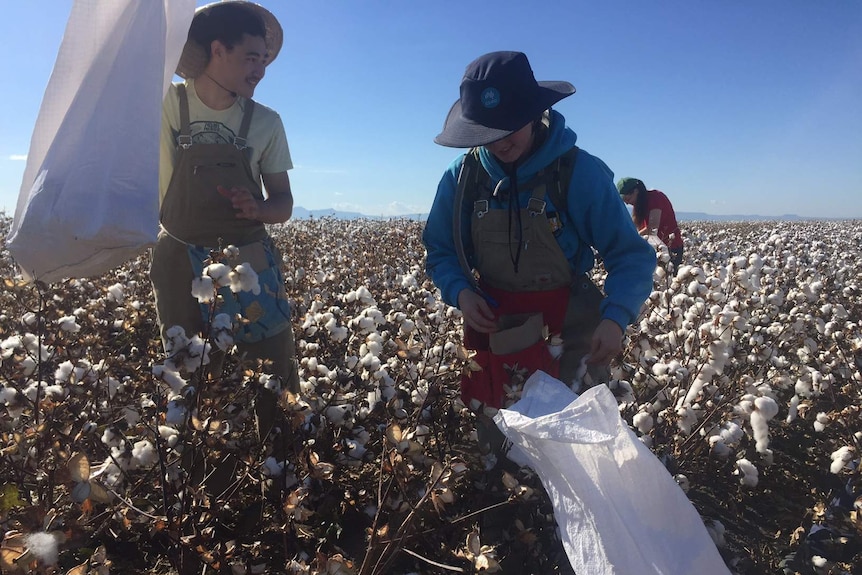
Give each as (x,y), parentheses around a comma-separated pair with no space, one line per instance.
(270,382)
(841,457)
(203,289)
(719,447)
(748,472)
(45,546)
(687,418)
(705,375)
(374,347)
(731,433)
(115,293)
(310,364)
(760,429)
(307,386)
(69,324)
(219,273)
(766,406)
(111,438)
(244,278)
(169,434)
(643,421)
(176,413)
(821,422)
(144,454)
(793,411)
(341,415)
(172,378)
(803,387)
(8,395)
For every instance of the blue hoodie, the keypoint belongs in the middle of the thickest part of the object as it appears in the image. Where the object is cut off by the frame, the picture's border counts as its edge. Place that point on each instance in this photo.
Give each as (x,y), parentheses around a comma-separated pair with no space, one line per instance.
(596,216)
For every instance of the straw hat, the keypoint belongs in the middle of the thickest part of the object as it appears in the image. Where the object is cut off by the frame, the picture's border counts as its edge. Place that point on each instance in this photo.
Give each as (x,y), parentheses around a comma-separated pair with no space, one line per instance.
(194,58)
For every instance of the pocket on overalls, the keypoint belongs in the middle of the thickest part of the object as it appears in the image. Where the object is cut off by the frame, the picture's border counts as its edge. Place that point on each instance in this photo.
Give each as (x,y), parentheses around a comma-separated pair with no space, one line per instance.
(518,332)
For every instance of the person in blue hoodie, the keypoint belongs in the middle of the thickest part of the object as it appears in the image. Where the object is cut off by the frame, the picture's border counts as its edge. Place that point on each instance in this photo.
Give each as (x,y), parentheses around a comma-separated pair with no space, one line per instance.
(512,255)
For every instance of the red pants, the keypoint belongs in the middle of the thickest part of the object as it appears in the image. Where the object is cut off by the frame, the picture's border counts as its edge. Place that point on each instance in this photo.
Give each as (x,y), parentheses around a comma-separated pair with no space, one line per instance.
(496,370)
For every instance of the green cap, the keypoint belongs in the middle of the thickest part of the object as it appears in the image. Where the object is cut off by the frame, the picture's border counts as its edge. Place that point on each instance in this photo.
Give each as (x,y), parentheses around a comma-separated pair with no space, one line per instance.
(628,185)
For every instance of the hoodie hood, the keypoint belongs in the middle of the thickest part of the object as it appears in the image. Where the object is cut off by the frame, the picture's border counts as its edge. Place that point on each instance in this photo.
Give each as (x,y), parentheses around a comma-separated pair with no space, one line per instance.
(560,139)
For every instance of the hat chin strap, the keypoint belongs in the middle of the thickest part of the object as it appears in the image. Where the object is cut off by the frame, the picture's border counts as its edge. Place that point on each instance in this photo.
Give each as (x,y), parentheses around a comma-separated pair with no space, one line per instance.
(217,83)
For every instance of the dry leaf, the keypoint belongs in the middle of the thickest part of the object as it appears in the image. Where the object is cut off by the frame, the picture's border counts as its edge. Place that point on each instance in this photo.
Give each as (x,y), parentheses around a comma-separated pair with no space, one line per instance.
(509,481)
(79,467)
(14,555)
(474,545)
(394,434)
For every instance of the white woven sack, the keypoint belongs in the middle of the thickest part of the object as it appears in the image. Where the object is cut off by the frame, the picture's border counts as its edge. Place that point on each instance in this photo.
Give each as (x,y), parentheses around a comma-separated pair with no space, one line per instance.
(89,197)
(618,509)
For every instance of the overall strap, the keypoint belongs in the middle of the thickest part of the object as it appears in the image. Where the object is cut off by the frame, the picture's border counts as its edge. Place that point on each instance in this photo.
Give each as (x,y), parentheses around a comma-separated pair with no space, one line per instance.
(240,140)
(184,140)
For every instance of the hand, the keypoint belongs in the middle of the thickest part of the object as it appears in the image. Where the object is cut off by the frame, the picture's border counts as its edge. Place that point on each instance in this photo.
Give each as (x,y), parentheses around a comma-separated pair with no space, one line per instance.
(477,313)
(247,206)
(607,342)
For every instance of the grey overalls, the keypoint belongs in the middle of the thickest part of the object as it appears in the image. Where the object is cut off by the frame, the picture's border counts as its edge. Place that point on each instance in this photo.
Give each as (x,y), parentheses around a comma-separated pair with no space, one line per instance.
(193,213)
(523,270)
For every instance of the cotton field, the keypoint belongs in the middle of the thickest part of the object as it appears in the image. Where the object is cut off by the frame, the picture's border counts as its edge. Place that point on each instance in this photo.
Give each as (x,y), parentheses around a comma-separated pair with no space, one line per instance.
(743,375)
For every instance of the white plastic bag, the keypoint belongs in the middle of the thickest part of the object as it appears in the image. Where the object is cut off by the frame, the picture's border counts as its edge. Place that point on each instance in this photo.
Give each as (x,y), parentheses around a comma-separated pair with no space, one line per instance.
(89,197)
(618,509)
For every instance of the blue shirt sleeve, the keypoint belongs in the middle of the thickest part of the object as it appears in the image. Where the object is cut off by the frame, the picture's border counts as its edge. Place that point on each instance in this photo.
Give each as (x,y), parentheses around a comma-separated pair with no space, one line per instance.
(602,221)
(441,262)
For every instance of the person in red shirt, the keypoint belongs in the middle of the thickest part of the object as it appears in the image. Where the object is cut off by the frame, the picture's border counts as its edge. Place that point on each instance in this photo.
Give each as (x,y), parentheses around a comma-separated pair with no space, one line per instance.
(653,214)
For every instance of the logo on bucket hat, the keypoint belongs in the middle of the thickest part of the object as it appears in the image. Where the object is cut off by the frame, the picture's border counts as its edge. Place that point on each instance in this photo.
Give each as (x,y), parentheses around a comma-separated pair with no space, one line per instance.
(490,97)
(499,95)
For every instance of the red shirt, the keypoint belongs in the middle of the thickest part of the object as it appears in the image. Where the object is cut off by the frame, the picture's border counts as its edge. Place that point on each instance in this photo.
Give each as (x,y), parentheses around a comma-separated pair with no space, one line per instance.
(656,200)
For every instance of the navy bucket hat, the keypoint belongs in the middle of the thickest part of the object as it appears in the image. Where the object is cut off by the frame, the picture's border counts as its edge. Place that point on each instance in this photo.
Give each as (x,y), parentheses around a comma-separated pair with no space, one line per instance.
(499,96)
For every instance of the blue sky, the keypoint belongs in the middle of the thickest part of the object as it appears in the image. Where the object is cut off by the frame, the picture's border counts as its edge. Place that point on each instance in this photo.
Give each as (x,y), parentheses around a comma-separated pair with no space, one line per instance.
(728,106)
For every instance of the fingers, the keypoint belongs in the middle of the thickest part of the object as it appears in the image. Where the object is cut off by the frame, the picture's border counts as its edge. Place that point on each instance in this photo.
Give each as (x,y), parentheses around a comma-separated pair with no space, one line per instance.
(482,317)
(476,311)
(606,343)
(242,201)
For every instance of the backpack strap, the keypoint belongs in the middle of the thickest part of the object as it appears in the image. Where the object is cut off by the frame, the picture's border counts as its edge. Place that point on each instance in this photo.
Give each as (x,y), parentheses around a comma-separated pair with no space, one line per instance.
(562,176)
(468,179)
(564,167)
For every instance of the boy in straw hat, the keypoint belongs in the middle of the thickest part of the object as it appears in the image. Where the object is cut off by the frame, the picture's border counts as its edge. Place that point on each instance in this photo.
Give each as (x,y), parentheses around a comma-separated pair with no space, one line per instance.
(217,147)
(498,215)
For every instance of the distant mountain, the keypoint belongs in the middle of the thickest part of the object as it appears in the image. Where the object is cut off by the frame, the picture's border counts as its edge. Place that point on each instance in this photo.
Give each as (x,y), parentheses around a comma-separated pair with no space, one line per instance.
(703,217)
(301,213)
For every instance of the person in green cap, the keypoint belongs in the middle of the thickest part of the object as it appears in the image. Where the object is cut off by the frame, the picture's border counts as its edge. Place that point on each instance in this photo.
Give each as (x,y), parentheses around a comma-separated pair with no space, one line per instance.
(653,215)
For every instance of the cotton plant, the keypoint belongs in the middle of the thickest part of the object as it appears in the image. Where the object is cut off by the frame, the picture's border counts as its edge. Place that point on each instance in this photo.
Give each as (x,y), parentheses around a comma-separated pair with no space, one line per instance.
(216,275)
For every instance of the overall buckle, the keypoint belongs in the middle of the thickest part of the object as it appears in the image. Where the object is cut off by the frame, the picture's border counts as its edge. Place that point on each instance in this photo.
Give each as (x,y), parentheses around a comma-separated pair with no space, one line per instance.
(536,207)
(480,208)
